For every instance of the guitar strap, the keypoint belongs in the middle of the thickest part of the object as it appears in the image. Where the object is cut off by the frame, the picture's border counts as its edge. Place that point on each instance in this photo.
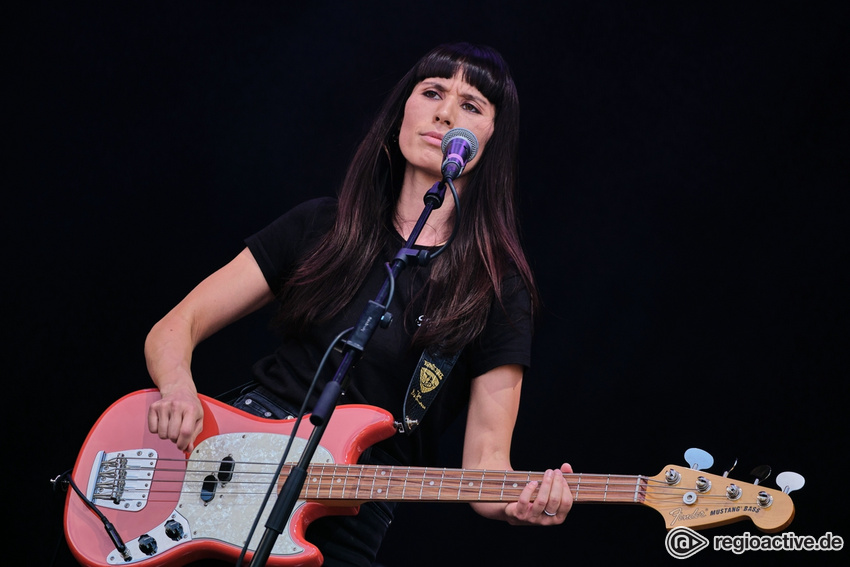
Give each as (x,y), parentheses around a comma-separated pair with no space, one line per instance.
(430,375)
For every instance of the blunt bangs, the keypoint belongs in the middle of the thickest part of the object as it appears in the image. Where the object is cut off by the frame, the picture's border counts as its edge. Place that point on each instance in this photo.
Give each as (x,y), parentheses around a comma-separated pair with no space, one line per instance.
(481,67)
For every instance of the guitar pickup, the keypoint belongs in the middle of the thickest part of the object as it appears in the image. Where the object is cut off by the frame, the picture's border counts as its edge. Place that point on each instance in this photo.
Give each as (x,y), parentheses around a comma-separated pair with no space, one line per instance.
(121,480)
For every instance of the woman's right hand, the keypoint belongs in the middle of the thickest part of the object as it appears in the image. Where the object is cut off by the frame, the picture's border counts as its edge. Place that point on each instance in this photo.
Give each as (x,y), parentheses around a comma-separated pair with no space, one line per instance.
(177,416)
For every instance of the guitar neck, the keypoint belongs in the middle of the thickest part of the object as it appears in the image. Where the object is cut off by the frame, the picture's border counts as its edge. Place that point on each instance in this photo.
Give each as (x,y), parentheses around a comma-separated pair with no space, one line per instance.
(351,484)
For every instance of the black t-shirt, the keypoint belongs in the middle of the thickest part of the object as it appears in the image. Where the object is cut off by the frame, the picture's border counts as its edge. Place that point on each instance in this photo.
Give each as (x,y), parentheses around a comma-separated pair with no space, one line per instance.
(382,375)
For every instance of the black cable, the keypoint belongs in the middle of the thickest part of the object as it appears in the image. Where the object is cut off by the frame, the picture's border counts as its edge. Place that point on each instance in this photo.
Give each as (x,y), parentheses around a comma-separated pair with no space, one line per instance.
(65,478)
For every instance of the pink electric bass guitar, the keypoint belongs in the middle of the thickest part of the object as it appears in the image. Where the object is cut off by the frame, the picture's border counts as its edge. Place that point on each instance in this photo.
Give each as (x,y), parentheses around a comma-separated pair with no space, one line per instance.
(169,508)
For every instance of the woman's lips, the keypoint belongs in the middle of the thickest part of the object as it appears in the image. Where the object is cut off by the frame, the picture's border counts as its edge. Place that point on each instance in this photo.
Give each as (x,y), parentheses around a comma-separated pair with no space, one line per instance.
(435,138)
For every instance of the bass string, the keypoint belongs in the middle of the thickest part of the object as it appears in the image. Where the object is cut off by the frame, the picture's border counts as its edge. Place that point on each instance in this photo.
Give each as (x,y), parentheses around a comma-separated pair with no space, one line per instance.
(584,486)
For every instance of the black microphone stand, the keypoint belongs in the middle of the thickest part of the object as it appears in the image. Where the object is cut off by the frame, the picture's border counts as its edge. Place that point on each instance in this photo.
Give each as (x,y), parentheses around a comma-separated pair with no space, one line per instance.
(374,315)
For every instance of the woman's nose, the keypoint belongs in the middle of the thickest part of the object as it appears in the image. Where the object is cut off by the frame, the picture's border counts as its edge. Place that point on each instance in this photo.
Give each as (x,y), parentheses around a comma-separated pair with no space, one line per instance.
(445,113)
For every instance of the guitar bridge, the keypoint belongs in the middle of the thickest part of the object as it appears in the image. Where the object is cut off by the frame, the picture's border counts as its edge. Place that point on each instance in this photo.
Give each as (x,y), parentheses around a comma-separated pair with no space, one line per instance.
(122,480)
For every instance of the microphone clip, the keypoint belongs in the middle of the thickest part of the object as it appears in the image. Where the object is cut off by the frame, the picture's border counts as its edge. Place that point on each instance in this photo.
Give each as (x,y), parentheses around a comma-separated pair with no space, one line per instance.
(436,194)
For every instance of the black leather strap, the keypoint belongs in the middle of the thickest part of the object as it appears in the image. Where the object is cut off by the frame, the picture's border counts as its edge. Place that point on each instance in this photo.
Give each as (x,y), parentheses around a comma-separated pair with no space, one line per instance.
(430,375)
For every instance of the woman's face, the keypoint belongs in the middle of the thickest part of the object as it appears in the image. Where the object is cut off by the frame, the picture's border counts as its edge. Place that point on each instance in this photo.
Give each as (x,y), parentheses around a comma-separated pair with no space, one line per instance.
(436,106)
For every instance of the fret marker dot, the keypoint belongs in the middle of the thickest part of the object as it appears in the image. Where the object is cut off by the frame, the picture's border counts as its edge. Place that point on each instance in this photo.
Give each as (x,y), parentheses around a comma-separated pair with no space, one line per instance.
(380,490)
(515,485)
(383,473)
(431,483)
(470,484)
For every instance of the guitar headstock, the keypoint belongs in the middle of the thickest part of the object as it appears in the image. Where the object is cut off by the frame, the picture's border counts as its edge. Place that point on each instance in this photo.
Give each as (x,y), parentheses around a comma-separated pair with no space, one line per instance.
(693,498)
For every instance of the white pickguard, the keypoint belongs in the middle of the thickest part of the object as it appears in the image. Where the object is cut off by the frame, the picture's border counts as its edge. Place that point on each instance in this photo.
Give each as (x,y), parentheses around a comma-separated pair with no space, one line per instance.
(230,514)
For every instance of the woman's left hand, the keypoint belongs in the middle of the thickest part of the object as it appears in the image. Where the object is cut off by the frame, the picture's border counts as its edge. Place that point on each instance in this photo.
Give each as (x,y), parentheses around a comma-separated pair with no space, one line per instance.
(549,506)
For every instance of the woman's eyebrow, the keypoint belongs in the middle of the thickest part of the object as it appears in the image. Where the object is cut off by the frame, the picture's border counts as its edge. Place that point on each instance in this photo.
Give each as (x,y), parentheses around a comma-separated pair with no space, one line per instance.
(437,85)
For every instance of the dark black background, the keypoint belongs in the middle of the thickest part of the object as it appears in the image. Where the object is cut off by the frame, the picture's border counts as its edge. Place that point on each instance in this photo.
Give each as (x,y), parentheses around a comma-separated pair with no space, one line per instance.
(683,173)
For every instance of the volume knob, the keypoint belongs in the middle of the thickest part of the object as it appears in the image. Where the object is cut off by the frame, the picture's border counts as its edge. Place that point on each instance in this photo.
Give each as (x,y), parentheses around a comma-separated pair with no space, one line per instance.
(174,530)
(147,544)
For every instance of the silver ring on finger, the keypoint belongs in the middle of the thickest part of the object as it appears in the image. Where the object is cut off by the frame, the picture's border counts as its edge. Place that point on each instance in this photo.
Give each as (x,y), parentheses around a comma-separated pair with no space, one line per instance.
(548,513)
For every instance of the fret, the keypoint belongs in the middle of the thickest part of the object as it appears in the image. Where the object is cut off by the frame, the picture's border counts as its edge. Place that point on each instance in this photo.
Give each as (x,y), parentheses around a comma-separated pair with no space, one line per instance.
(331,484)
(339,480)
(447,479)
(321,483)
(422,484)
(504,482)
(578,487)
(345,481)
(481,483)
(386,490)
(431,484)
(605,494)
(372,488)
(404,482)
(376,484)
(359,484)
(463,485)
(312,480)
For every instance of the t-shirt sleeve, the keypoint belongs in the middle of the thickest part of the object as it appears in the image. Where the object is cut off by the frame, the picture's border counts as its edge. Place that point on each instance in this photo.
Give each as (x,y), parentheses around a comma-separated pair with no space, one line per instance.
(278,247)
(507,337)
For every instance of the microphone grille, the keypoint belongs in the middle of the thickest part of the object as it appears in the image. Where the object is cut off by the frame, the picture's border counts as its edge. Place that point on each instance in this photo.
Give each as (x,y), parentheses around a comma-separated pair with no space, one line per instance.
(465,134)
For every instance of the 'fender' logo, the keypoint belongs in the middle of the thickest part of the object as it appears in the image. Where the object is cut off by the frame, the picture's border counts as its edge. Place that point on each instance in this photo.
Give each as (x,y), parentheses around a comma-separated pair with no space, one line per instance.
(678,516)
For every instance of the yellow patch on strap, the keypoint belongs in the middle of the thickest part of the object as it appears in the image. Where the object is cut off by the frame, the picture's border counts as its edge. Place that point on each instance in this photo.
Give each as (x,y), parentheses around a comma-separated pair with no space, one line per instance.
(429,377)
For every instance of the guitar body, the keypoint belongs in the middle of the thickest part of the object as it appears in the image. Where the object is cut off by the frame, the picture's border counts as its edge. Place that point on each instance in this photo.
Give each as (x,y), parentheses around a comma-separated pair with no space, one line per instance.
(171,507)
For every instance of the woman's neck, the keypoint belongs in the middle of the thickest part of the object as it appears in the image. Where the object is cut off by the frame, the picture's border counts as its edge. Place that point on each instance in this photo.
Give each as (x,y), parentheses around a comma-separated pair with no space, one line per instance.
(409,208)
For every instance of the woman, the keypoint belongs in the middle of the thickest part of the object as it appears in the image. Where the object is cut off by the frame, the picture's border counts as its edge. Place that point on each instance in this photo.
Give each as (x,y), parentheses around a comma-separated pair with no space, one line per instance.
(324,259)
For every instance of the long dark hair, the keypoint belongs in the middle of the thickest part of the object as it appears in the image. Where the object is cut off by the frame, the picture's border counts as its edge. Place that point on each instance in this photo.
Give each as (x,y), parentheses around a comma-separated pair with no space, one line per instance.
(465,279)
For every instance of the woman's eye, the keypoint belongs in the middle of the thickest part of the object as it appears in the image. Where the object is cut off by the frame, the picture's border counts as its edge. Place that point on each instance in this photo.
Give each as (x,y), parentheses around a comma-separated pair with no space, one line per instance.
(471,107)
(431,94)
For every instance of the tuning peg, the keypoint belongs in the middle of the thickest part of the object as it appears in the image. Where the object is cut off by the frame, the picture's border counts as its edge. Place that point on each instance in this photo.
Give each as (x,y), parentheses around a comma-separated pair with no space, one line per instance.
(761,473)
(698,459)
(790,481)
(726,472)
